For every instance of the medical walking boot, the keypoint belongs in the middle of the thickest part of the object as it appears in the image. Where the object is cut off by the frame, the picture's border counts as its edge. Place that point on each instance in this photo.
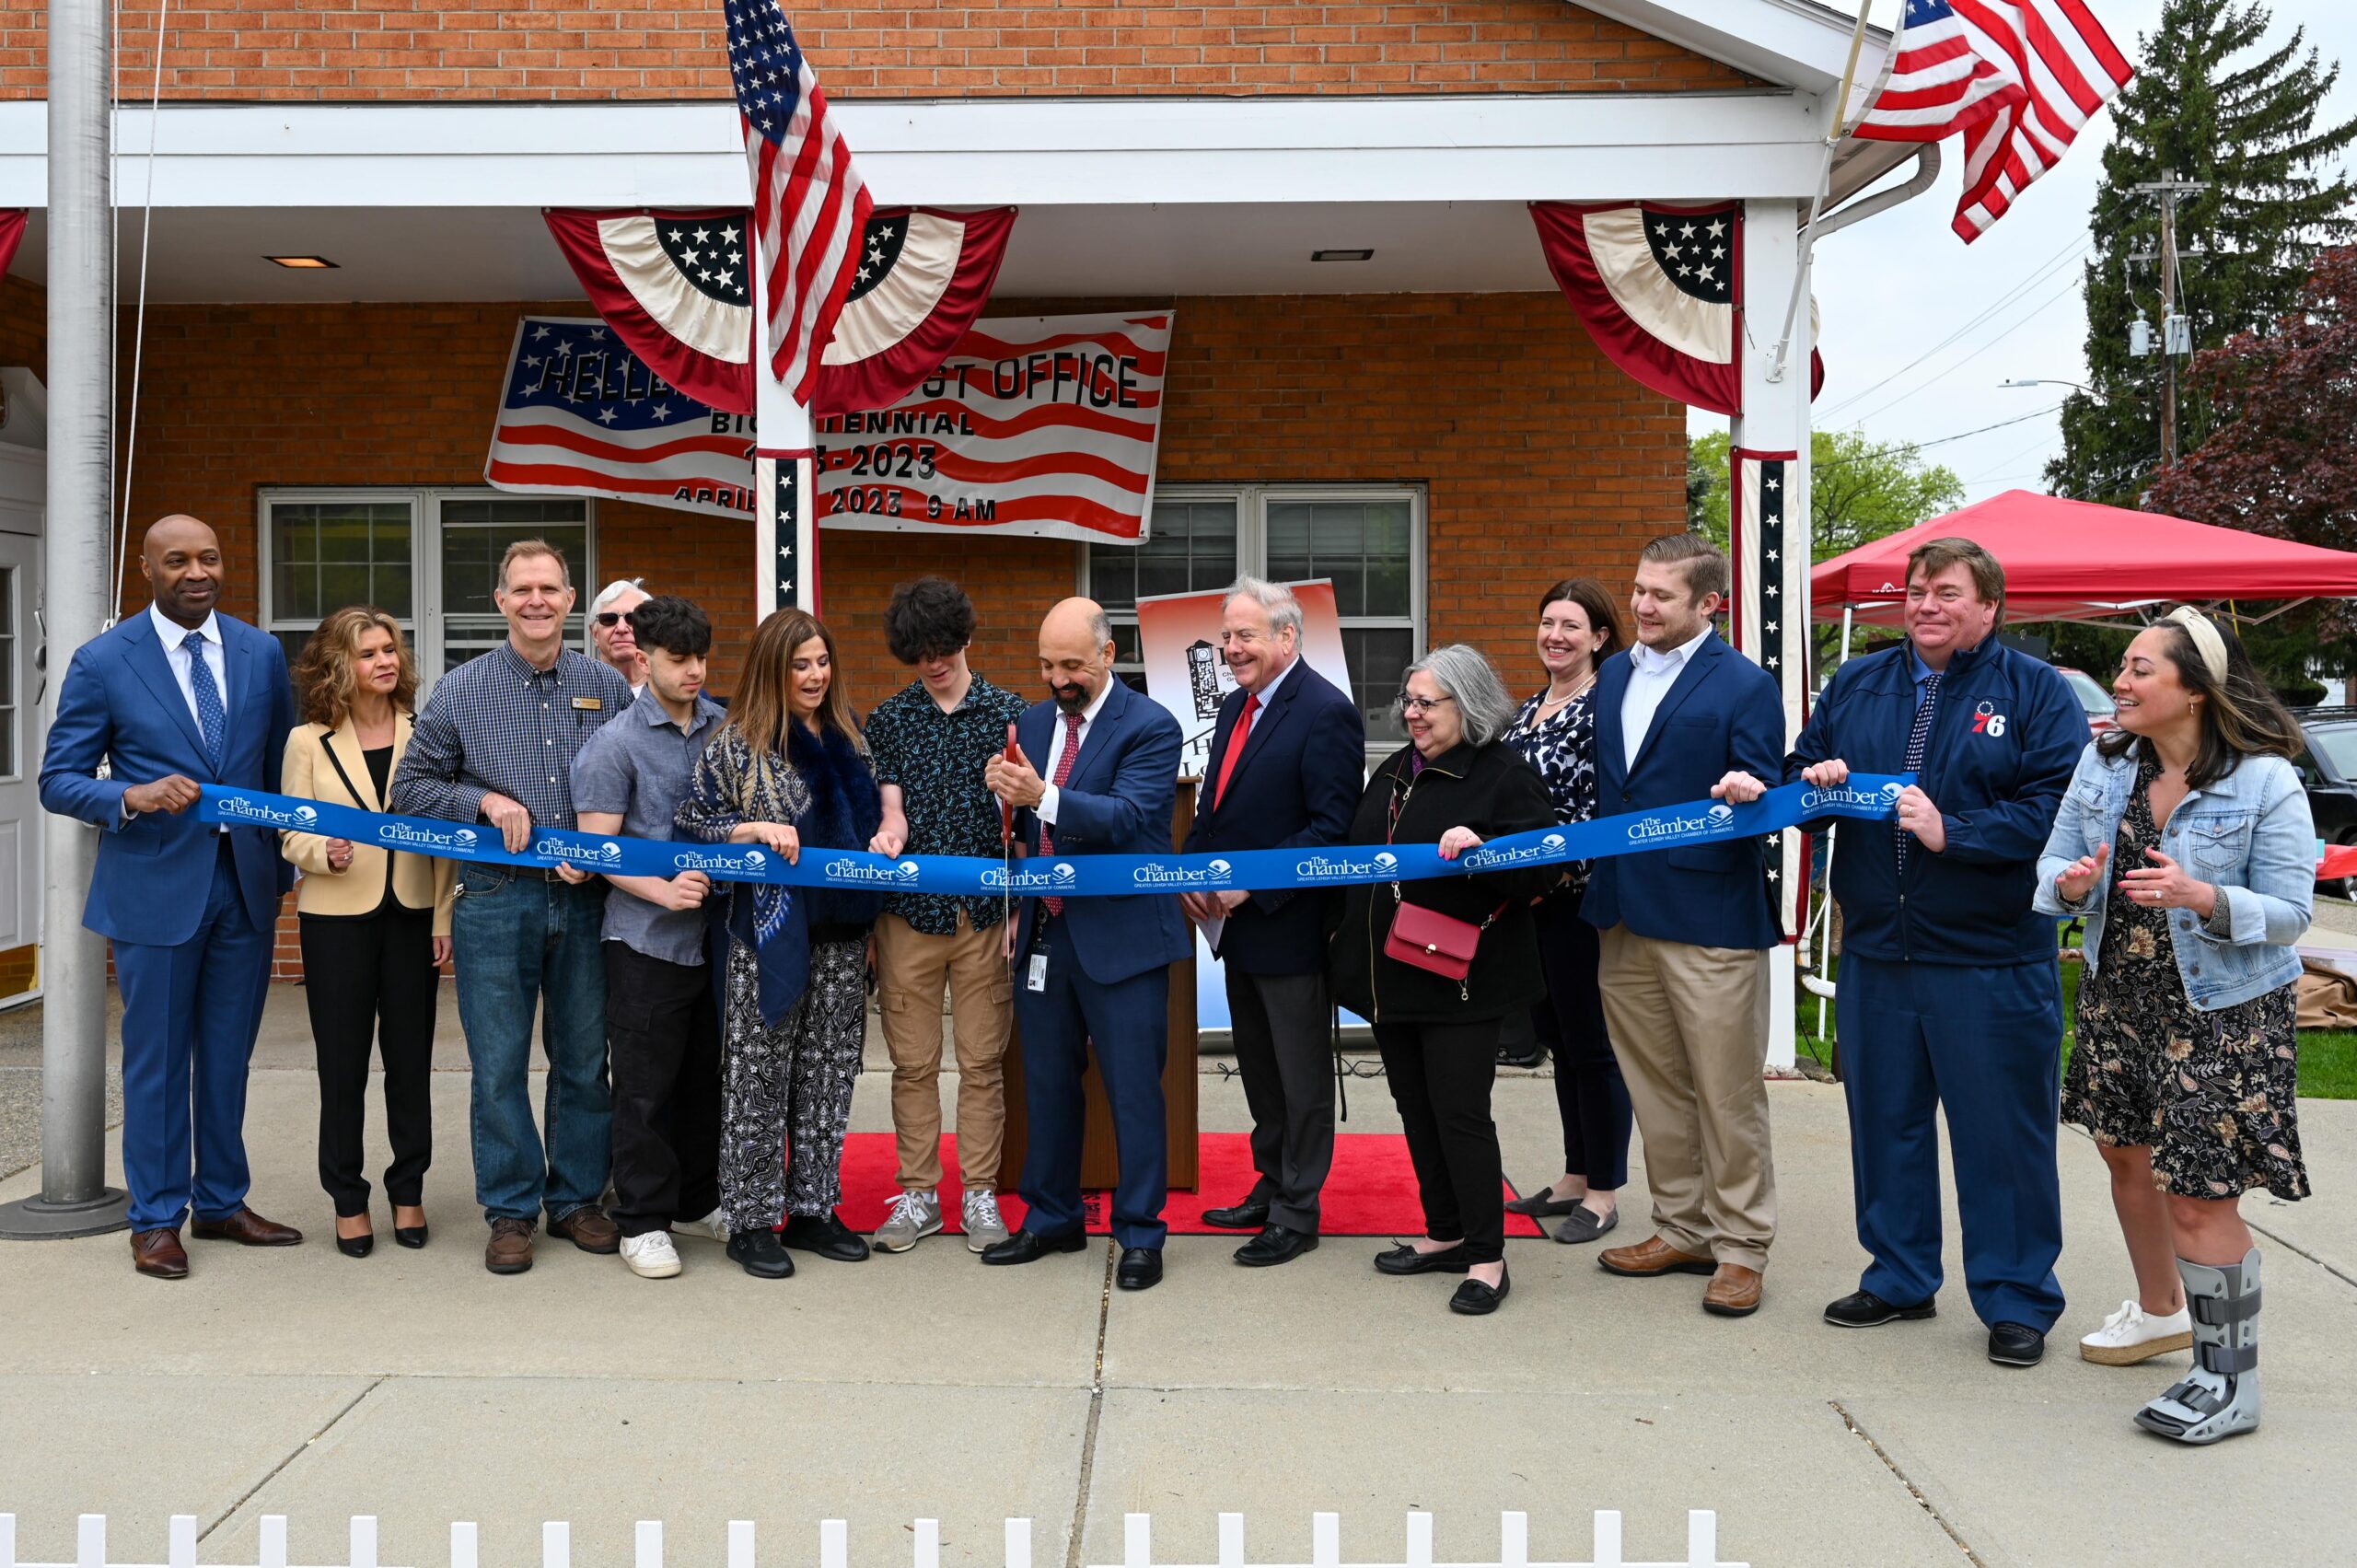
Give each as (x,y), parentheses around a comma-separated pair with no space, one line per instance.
(2220,1396)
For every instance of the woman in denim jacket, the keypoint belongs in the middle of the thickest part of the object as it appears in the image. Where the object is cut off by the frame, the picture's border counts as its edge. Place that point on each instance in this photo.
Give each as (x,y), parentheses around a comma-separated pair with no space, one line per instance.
(2186,1065)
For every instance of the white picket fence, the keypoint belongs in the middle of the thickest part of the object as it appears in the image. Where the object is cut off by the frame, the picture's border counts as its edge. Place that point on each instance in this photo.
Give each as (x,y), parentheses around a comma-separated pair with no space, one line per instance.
(834,1545)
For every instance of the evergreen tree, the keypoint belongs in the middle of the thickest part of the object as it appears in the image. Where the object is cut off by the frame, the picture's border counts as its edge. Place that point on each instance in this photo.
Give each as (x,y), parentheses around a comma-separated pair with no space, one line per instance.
(2214,102)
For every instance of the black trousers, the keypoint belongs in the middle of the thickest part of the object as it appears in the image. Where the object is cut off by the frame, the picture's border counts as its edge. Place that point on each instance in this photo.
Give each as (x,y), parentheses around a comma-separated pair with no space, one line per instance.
(371,980)
(1284,1049)
(1590,1094)
(1440,1076)
(663,1026)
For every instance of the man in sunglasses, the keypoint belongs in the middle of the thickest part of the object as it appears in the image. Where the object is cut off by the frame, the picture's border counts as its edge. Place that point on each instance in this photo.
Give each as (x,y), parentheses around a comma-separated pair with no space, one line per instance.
(611,641)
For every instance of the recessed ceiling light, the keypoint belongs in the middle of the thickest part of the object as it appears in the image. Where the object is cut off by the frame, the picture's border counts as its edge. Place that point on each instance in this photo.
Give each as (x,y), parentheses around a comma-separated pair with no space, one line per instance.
(302,263)
(1341,255)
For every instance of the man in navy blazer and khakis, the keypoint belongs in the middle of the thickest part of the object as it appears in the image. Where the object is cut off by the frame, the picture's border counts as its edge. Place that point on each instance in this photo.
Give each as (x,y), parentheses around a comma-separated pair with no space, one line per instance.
(1288,763)
(1099,776)
(1685,933)
(175,695)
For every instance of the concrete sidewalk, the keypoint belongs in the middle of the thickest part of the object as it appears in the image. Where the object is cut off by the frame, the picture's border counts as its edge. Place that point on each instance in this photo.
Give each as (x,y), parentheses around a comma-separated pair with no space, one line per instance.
(416,1387)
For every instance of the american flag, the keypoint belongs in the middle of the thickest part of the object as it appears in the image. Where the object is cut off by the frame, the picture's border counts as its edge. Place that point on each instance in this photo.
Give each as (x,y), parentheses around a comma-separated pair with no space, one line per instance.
(2018,78)
(809,204)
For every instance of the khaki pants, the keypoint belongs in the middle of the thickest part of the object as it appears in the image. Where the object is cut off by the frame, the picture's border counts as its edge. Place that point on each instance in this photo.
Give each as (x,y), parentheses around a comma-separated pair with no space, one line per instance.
(1690,1025)
(912,967)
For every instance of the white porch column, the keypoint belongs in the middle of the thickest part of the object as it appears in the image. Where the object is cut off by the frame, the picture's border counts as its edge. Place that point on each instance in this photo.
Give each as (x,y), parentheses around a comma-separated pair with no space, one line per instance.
(1770,539)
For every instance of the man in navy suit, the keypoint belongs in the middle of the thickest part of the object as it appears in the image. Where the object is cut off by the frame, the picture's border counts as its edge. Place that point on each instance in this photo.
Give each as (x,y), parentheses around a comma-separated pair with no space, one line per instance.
(1685,933)
(177,694)
(1288,763)
(1099,776)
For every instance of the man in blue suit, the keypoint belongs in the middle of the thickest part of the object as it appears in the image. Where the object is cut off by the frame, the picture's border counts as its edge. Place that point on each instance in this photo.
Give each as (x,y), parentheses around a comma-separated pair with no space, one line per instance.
(1685,933)
(1288,762)
(174,696)
(1099,776)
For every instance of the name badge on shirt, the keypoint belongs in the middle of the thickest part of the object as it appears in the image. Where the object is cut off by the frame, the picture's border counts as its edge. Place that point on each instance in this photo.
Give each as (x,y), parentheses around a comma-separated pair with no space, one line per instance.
(1038,981)
(590,704)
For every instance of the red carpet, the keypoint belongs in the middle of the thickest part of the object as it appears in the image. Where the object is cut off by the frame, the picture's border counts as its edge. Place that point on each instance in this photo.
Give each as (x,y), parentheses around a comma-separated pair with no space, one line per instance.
(1371,1190)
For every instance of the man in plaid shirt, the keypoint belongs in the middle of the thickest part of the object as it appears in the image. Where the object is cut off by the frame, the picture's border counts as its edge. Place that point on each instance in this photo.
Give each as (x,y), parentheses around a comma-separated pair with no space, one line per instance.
(495,744)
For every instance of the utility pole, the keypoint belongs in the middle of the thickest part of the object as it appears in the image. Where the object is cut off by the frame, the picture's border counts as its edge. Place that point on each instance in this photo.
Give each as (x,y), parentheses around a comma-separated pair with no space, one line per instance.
(2177,330)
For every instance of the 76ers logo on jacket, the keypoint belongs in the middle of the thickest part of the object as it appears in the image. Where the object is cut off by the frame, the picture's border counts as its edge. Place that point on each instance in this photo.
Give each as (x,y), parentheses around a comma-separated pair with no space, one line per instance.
(1986,720)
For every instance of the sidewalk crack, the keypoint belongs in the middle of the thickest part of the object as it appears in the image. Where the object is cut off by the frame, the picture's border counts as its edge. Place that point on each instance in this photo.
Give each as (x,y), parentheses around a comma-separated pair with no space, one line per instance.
(1913,1490)
(294,1453)
(1072,1557)
(2298,1250)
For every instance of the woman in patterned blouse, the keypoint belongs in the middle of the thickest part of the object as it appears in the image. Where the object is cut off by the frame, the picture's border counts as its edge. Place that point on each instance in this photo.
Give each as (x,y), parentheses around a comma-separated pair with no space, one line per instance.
(1556,731)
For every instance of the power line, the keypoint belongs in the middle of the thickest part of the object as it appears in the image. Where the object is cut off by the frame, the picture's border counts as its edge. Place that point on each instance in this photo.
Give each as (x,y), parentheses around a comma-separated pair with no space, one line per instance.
(2048,304)
(1896,446)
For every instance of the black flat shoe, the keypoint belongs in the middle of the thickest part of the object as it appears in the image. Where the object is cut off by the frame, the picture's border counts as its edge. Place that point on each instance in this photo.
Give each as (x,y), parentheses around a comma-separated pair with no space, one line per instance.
(826,1236)
(1475,1299)
(1277,1244)
(758,1253)
(1543,1206)
(1864,1309)
(1251,1215)
(1023,1246)
(2016,1344)
(1405,1260)
(1141,1268)
(357,1246)
(409,1235)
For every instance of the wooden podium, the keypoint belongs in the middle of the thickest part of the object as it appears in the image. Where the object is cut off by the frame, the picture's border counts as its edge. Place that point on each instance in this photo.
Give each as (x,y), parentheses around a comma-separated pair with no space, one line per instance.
(1099,1167)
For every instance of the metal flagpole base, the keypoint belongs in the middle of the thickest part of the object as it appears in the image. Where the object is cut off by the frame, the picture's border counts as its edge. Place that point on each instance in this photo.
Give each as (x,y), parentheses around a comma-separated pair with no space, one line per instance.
(40,1219)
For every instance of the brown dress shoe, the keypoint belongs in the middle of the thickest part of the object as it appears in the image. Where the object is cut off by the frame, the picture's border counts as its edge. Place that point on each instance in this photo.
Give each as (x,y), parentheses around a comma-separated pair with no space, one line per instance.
(1650,1258)
(246,1228)
(158,1254)
(1733,1293)
(588,1228)
(509,1251)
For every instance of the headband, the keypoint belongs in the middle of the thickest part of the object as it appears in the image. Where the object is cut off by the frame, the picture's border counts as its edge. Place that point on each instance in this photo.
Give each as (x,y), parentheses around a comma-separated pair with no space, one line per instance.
(2206,641)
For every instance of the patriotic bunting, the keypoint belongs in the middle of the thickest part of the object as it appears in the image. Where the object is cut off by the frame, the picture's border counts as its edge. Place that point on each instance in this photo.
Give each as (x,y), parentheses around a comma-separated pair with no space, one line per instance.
(1659,286)
(12,234)
(1770,621)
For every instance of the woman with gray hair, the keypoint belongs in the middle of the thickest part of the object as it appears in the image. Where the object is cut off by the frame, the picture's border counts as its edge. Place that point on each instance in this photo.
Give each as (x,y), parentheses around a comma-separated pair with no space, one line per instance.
(1455,784)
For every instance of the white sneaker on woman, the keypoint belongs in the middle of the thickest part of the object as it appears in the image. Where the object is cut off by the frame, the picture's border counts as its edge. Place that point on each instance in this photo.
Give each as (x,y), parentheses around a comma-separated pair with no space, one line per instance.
(2131,1334)
(652,1256)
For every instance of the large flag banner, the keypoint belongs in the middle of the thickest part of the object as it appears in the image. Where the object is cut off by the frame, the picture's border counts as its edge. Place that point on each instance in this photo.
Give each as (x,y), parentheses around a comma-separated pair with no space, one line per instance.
(579,415)
(1043,425)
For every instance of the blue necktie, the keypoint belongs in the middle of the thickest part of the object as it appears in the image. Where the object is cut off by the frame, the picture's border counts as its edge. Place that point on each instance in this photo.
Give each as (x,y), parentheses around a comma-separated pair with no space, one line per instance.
(1916,738)
(211,717)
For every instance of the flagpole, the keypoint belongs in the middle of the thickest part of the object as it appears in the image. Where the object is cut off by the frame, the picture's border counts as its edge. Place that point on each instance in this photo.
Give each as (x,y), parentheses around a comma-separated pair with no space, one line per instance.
(1834,136)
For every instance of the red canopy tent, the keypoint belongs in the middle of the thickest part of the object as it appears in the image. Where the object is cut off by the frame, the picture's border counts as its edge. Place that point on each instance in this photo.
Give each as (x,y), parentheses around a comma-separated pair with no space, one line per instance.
(2076,561)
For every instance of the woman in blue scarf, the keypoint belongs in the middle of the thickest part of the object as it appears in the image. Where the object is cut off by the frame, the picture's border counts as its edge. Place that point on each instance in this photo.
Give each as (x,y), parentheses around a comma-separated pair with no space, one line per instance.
(789,771)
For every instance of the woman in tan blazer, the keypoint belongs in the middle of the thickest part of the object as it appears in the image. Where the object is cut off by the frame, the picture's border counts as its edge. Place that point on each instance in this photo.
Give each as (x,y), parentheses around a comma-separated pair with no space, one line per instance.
(376,923)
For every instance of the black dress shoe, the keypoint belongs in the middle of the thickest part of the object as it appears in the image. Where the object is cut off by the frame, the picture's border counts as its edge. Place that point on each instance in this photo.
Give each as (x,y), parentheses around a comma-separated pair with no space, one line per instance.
(1141,1268)
(1475,1299)
(1405,1260)
(826,1236)
(760,1254)
(357,1246)
(1277,1244)
(1024,1246)
(409,1235)
(1251,1215)
(1864,1309)
(2016,1344)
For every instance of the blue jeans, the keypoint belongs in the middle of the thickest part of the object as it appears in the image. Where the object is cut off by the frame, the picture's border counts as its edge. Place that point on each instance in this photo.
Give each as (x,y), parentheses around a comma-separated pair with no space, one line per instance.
(519,938)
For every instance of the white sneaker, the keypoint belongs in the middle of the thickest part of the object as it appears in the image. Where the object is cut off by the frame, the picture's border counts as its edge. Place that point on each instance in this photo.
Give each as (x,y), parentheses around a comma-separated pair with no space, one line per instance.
(985,1226)
(2130,1335)
(713,1226)
(652,1256)
(914,1217)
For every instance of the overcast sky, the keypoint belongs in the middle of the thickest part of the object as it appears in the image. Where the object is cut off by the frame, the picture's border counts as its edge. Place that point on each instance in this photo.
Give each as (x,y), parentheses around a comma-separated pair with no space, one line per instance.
(1894,284)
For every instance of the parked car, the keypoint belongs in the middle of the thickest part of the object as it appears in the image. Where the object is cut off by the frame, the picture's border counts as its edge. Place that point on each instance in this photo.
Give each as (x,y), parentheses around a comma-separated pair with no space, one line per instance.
(2093,696)
(2329,768)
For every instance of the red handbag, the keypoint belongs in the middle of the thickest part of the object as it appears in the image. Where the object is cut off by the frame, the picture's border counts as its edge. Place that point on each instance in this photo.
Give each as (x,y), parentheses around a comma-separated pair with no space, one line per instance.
(1424,938)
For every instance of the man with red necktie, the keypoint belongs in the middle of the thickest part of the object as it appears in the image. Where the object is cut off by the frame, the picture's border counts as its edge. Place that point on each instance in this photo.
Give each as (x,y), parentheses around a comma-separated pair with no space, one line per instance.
(1288,763)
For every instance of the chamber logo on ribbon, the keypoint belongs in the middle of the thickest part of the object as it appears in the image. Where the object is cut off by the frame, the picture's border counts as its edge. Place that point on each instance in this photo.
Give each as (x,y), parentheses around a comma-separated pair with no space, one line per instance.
(243,809)
(1342,869)
(602,855)
(1156,874)
(1057,878)
(1491,858)
(409,835)
(858,872)
(751,862)
(1887,795)
(1673,824)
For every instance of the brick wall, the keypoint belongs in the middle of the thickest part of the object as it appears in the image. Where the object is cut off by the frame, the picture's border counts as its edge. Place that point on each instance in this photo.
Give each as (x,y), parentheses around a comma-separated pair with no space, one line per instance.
(1538,457)
(637,49)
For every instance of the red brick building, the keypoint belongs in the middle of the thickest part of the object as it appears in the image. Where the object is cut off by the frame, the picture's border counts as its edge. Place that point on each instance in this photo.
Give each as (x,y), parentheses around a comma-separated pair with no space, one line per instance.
(1431,419)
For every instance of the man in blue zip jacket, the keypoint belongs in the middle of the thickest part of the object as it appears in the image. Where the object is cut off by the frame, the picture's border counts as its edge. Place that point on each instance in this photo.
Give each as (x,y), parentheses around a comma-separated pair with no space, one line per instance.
(1949,994)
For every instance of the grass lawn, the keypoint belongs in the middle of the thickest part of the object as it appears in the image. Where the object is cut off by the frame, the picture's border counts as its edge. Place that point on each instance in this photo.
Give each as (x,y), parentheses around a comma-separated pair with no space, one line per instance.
(2327,1057)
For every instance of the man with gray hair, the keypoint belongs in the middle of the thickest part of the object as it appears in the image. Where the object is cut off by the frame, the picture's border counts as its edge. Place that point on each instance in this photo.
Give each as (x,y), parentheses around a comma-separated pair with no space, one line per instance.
(611,641)
(1288,762)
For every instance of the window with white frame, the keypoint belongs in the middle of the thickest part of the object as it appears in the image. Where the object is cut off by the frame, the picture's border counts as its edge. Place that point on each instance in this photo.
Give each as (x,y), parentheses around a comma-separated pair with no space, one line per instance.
(429,558)
(1367,540)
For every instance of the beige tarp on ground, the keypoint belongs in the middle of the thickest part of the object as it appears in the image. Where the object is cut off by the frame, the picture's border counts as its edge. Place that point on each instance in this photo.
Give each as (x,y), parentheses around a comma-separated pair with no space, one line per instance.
(2328,997)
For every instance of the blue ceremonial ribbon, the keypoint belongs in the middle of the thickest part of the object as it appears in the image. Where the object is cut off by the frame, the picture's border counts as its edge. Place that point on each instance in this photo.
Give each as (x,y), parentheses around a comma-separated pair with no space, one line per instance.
(1869,796)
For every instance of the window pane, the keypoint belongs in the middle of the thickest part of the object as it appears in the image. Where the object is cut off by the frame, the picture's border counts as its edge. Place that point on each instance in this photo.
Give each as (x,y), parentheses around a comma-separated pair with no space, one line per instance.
(1377,655)
(323,554)
(476,531)
(1191,546)
(1362,545)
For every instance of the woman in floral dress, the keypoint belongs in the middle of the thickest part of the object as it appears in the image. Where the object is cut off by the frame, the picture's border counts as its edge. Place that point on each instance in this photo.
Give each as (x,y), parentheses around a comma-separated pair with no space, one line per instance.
(2185,840)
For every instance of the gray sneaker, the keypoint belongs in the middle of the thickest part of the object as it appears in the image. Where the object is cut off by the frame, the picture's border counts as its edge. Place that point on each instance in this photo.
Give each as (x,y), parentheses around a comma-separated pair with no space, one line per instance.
(914,1217)
(985,1226)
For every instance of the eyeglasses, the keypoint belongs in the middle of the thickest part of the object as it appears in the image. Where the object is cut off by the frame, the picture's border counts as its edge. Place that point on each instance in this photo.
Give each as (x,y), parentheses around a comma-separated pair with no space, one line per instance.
(1420,704)
(610,617)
